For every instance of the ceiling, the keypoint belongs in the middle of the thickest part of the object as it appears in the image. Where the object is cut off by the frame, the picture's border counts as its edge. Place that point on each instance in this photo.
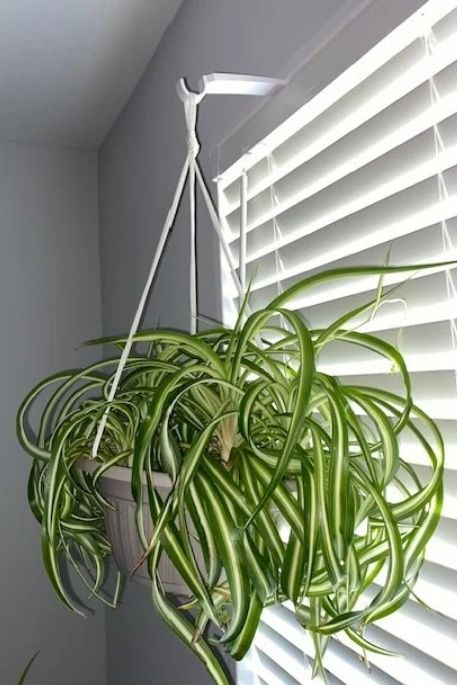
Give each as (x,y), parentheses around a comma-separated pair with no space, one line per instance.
(67,67)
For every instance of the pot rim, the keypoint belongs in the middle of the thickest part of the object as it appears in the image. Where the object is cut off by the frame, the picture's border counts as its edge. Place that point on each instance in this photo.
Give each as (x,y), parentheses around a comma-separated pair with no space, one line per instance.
(122,473)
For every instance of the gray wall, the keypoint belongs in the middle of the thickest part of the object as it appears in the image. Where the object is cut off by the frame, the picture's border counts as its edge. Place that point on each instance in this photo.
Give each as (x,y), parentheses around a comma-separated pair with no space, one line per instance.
(139,164)
(142,652)
(49,303)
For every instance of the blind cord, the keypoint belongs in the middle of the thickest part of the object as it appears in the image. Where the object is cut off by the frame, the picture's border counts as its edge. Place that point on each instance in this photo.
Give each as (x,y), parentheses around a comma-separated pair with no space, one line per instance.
(430,45)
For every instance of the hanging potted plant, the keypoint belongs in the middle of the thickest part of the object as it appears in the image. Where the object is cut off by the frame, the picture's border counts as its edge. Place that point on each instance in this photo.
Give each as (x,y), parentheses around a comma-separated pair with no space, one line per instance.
(279,477)
(257,477)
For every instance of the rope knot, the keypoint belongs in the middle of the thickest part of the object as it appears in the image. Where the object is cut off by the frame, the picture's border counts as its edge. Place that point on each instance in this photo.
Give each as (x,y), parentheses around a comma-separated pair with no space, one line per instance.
(193,146)
(190,109)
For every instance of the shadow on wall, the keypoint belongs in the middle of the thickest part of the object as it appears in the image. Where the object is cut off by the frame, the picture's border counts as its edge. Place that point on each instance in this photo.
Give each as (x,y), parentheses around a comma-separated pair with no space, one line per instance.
(148,652)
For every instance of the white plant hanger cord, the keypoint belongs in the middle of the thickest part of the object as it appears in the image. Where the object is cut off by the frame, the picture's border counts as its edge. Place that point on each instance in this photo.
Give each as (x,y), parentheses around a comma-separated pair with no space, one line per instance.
(211,84)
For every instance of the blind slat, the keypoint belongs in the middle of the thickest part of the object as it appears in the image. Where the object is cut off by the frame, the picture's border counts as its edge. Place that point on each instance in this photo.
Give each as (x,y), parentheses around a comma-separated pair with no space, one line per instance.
(401,640)
(437,585)
(411,666)
(409,249)
(431,634)
(422,300)
(372,173)
(339,660)
(384,70)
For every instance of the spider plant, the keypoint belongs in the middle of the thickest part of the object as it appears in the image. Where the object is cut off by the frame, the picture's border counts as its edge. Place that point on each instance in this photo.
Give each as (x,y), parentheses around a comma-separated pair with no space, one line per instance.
(293,485)
(23,679)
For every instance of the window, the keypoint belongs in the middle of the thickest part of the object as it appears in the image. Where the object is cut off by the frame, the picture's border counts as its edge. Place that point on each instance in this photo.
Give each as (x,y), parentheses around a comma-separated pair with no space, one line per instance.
(367,165)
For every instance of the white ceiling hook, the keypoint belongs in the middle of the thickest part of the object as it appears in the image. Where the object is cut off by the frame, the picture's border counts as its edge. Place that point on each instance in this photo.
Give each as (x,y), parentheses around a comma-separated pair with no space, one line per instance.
(186,95)
(230,84)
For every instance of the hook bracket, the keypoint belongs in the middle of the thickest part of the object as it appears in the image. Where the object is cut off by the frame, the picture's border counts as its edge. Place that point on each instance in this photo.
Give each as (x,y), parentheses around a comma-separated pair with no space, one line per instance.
(219,83)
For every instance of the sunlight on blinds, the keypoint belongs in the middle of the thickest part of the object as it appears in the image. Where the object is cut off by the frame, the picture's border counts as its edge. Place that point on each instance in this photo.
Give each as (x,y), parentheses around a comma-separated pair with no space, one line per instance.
(367,168)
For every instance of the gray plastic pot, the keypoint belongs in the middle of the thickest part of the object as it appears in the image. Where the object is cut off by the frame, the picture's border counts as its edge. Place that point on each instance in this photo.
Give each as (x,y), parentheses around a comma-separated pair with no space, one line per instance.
(121,527)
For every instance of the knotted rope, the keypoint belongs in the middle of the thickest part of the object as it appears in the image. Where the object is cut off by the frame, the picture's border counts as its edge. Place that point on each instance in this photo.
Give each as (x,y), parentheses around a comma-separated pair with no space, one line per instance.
(190,172)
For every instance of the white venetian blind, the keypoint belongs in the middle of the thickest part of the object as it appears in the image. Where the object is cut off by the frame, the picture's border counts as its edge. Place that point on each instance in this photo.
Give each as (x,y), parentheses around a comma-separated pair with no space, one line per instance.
(369,164)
